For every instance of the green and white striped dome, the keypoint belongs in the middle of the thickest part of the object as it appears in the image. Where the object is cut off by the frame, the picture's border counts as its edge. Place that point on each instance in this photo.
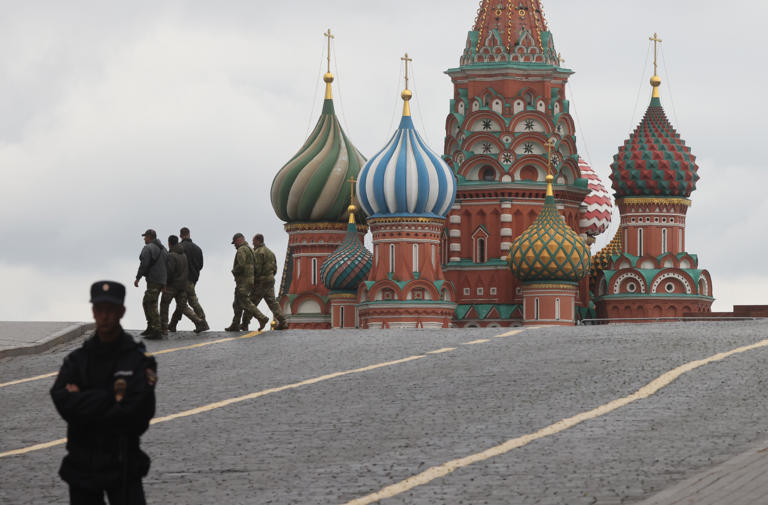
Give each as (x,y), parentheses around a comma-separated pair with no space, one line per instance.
(314,185)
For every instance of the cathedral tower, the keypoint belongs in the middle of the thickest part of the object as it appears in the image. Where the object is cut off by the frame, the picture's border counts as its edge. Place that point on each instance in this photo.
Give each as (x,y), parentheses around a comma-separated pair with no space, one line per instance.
(509,100)
(311,193)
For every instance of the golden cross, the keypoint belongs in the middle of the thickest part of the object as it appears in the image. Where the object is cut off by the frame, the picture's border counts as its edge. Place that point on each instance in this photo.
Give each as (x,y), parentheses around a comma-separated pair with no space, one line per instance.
(351,182)
(656,40)
(550,145)
(330,36)
(406,59)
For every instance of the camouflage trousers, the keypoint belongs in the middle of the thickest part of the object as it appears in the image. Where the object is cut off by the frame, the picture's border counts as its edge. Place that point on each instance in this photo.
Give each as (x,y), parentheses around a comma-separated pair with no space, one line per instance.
(193,302)
(181,306)
(151,294)
(266,292)
(243,306)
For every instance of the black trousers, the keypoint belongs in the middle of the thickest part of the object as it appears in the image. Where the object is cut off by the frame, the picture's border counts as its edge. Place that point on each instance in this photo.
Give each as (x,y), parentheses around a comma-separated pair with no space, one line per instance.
(134,494)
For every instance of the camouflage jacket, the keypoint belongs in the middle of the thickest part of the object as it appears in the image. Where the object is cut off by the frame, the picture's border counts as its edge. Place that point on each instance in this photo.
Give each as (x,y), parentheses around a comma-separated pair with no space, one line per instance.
(265,266)
(178,270)
(242,269)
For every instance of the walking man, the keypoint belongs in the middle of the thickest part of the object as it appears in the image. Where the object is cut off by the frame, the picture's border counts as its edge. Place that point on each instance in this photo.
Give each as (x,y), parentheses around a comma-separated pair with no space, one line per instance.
(242,270)
(195,262)
(152,266)
(105,391)
(265,268)
(176,287)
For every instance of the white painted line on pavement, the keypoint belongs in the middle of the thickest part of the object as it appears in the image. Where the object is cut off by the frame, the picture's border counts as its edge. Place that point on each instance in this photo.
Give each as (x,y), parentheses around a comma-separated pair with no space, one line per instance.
(478,341)
(163,351)
(440,351)
(649,389)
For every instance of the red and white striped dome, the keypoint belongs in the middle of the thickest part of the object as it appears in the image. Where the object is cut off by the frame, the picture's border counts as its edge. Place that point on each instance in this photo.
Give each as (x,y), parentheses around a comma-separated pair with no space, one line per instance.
(597,207)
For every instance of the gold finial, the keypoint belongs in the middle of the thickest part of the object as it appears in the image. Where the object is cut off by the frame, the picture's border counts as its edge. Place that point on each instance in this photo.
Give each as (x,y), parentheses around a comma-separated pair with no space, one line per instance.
(655,80)
(550,178)
(328,77)
(406,95)
(351,209)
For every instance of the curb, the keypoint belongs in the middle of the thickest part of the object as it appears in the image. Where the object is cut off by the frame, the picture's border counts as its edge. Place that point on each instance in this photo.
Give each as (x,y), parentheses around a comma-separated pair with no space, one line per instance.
(68,334)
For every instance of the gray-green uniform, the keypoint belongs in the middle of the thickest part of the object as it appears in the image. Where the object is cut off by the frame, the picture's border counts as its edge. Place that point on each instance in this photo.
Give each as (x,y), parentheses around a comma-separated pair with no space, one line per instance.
(242,270)
(265,268)
(176,288)
(152,266)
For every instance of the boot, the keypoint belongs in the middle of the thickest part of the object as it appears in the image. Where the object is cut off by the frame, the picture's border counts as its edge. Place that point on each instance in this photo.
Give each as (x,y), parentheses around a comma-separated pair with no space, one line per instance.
(164,331)
(244,327)
(172,325)
(203,326)
(263,320)
(153,335)
(282,324)
(232,327)
(144,333)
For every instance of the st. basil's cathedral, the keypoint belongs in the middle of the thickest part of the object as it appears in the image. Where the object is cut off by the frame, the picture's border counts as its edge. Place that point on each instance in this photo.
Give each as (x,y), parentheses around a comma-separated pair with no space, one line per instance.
(496,230)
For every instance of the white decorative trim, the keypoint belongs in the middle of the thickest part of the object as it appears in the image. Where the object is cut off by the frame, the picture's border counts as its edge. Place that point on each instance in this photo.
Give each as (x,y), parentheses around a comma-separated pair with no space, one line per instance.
(506,218)
(506,232)
(505,246)
(454,219)
(455,247)
(629,275)
(672,275)
(454,233)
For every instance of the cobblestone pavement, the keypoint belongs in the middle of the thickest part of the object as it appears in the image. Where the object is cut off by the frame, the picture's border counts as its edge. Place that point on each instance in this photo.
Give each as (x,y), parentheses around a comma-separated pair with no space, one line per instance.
(341,438)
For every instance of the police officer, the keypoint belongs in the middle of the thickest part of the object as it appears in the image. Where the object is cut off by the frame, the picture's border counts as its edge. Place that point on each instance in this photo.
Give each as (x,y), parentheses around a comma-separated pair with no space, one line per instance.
(105,391)
(152,266)
(242,270)
(176,287)
(195,263)
(265,268)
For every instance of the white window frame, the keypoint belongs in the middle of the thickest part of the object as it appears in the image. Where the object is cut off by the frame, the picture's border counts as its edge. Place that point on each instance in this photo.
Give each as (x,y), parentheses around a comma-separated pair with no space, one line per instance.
(415,258)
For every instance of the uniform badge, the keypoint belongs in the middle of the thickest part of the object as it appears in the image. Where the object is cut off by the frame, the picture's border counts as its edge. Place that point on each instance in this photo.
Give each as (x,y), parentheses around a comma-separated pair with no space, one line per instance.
(151,377)
(105,287)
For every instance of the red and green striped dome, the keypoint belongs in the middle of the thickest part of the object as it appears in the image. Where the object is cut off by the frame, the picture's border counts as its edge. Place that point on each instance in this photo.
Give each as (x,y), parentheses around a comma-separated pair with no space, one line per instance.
(654,161)
(349,264)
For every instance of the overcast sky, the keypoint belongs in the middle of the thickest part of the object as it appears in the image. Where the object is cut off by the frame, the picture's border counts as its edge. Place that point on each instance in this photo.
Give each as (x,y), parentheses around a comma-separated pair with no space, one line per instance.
(120,116)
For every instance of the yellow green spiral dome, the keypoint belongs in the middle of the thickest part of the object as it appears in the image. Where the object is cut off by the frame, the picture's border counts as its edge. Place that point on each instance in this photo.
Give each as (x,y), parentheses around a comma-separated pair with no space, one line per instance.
(549,250)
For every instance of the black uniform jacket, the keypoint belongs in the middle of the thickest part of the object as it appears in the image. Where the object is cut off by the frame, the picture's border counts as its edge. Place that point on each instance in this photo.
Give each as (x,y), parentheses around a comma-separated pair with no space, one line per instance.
(102,433)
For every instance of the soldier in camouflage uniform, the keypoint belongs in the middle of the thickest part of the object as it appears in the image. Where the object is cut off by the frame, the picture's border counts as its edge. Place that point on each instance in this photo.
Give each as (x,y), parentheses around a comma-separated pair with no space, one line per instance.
(265,268)
(153,268)
(176,287)
(242,270)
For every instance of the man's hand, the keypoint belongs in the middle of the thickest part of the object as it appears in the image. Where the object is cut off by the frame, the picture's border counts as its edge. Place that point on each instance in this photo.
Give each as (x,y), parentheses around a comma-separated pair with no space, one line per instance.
(72,388)
(136,283)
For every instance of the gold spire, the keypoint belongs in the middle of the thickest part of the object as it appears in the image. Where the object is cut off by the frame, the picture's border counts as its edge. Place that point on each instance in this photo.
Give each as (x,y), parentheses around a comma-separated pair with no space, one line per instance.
(328,77)
(351,209)
(550,178)
(655,80)
(406,94)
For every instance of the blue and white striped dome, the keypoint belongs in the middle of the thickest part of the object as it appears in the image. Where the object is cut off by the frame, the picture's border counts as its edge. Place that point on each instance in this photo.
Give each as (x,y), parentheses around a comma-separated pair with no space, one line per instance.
(406,178)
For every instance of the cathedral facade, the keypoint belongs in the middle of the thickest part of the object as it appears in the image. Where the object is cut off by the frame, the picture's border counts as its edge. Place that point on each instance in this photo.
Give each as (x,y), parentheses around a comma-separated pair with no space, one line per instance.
(496,230)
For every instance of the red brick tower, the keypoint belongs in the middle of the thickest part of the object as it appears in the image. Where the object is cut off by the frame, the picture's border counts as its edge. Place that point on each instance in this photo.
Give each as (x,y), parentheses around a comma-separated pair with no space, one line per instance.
(646,271)
(311,194)
(509,100)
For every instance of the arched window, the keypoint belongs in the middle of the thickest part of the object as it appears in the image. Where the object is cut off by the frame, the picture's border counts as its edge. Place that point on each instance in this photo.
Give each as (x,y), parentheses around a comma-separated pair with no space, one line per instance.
(415,257)
(314,271)
(529,101)
(488,174)
(391,258)
(663,241)
(481,257)
(639,241)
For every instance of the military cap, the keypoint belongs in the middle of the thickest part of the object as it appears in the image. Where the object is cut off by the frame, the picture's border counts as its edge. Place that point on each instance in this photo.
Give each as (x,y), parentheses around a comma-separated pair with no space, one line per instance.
(150,233)
(237,236)
(107,292)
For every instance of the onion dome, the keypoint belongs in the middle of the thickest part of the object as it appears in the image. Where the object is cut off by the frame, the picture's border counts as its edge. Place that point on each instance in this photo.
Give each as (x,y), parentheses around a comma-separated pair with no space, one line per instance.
(654,161)
(601,260)
(349,264)
(406,178)
(314,185)
(549,250)
(598,206)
